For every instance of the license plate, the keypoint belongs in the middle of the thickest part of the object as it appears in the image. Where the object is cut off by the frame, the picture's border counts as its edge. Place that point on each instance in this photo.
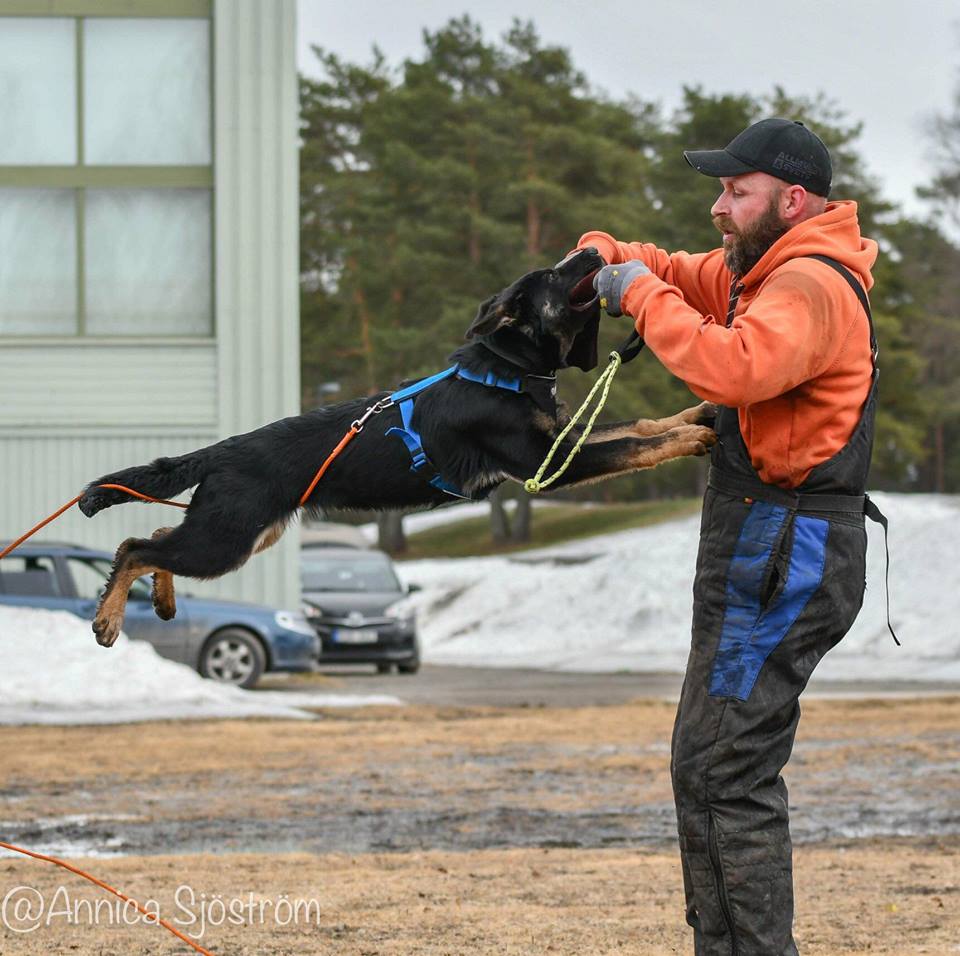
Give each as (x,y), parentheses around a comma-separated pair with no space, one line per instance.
(361,635)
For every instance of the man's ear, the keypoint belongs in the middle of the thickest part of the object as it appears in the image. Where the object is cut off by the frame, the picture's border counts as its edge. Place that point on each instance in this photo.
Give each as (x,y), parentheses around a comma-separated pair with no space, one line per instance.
(496,312)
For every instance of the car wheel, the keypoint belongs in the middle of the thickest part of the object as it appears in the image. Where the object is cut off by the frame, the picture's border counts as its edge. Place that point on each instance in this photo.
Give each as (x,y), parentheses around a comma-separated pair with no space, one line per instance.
(233,656)
(383,668)
(410,667)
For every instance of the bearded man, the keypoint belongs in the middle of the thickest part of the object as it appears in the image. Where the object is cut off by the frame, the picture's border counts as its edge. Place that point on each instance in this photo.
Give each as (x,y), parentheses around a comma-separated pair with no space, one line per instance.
(775,328)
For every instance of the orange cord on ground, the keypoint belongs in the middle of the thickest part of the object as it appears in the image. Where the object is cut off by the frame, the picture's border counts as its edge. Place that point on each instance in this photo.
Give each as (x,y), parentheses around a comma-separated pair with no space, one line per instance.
(110,889)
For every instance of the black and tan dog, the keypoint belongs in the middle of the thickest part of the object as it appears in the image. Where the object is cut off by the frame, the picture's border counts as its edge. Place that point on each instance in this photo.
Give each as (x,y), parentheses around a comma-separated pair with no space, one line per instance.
(477,434)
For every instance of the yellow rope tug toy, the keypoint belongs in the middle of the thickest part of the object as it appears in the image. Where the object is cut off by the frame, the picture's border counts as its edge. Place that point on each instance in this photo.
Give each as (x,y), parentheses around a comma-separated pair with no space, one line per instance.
(535,484)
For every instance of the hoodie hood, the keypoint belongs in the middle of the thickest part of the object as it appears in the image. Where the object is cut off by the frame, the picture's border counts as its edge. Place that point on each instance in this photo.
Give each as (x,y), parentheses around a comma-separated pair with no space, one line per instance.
(835,233)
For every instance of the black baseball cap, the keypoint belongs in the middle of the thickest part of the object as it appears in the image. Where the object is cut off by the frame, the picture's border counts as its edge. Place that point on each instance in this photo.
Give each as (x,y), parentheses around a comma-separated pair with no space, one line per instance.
(783,148)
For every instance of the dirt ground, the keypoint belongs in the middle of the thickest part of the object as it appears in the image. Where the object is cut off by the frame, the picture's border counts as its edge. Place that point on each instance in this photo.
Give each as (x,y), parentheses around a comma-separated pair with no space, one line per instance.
(446,830)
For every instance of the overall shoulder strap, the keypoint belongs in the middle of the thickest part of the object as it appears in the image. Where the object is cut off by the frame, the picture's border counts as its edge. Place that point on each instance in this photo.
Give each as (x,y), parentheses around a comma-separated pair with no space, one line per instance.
(860,293)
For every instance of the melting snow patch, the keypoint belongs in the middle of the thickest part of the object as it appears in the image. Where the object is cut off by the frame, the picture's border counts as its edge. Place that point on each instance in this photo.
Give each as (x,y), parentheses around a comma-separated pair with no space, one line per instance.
(629,606)
(54,672)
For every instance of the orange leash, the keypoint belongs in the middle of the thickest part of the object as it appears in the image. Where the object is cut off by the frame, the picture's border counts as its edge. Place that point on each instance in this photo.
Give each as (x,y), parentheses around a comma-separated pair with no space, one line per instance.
(349,437)
(71,503)
(109,889)
(355,430)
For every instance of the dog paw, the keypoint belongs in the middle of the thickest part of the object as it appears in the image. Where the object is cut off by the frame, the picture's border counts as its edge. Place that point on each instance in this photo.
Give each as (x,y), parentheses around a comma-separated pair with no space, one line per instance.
(164,607)
(106,631)
(694,439)
(162,593)
(704,414)
(705,436)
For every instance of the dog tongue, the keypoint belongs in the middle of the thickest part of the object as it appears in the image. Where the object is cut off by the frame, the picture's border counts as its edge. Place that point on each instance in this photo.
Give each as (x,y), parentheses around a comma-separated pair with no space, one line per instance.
(583,293)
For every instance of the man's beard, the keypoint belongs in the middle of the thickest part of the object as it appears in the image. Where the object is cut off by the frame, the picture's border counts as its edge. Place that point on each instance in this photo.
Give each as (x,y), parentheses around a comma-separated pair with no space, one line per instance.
(746,248)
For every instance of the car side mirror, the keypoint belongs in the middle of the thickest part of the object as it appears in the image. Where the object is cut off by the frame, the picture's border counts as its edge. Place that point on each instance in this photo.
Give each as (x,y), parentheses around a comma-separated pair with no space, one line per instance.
(413,588)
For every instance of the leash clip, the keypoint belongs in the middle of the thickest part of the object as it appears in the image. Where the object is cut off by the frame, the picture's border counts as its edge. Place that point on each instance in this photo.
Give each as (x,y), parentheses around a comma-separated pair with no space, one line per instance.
(380,406)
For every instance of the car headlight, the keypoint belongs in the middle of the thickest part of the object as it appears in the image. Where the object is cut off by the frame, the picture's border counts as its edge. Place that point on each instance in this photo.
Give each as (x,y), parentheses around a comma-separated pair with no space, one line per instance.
(401,612)
(294,621)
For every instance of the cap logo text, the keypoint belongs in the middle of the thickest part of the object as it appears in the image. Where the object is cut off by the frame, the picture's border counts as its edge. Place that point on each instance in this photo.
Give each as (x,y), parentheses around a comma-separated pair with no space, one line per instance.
(794,165)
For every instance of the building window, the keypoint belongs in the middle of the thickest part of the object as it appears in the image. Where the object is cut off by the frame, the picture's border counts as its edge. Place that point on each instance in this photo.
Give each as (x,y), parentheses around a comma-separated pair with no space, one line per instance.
(106,170)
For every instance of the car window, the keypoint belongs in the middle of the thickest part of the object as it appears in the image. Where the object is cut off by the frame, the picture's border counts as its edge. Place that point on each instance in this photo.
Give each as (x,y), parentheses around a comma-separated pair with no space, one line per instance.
(365,571)
(32,575)
(90,577)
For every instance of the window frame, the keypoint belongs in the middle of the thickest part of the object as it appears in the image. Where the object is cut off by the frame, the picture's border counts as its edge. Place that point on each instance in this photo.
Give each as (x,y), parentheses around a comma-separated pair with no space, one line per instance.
(79,177)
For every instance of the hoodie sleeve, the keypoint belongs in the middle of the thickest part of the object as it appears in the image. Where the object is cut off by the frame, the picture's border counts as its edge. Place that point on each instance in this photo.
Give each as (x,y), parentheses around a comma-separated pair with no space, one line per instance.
(701,277)
(790,333)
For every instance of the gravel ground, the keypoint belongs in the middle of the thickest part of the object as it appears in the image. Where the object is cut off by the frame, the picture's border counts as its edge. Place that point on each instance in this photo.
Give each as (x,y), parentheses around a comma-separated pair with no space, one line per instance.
(425,829)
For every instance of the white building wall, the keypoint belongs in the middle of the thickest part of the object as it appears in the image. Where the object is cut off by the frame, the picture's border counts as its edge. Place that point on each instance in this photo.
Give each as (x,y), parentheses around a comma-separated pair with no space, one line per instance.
(71,410)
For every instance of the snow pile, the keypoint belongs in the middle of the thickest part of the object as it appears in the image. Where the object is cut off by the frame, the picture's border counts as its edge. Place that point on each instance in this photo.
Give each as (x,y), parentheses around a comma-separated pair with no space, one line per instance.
(53,671)
(623,601)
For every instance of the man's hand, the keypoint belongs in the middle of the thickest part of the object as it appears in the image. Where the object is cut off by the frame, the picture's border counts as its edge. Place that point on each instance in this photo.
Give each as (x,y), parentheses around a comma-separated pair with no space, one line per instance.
(611,282)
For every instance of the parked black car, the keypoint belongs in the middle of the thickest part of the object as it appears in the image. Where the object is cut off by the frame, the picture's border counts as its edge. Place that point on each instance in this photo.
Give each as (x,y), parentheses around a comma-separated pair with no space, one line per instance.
(358,608)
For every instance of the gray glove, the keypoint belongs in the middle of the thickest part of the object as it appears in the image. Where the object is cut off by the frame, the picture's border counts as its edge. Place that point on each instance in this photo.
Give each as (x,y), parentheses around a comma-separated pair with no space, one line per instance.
(612,281)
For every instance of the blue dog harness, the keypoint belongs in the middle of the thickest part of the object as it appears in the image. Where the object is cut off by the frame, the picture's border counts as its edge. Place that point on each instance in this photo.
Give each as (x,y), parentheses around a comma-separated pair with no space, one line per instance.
(406,397)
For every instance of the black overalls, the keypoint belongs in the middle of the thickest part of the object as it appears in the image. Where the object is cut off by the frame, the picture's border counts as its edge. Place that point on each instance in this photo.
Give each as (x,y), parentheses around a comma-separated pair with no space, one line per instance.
(780,580)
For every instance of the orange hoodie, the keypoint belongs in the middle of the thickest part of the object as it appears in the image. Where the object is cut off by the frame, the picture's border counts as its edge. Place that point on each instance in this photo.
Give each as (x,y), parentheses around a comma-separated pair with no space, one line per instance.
(795,361)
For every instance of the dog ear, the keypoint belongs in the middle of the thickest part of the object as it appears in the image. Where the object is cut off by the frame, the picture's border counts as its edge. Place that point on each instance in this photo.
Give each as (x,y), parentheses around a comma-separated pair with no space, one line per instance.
(494,313)
(583,351)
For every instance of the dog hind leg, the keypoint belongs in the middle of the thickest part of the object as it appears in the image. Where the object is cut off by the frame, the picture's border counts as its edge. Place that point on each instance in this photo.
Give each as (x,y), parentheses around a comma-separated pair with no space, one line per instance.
(197,554)
(127,567)
(163,594)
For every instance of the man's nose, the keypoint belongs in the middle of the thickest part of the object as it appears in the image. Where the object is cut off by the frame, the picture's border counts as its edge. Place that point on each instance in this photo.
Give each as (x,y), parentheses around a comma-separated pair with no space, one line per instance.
(720,207)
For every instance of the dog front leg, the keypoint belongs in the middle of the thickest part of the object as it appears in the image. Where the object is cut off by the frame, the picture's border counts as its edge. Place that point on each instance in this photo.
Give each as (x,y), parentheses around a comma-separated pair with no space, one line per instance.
(703,414)
(605,459)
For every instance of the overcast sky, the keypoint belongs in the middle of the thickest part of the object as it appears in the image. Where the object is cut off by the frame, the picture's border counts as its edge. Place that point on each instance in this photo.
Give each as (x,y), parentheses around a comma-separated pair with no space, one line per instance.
(885,63)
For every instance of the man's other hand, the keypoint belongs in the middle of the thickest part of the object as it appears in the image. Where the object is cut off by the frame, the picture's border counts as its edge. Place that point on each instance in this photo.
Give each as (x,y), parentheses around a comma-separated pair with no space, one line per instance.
(611,282)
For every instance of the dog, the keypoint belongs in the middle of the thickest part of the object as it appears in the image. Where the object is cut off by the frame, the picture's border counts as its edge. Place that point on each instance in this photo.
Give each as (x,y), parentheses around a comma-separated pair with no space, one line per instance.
(494,419)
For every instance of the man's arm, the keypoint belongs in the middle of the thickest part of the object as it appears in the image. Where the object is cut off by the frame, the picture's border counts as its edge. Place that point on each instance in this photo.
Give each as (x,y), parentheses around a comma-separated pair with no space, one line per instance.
(794,330)
(701,277)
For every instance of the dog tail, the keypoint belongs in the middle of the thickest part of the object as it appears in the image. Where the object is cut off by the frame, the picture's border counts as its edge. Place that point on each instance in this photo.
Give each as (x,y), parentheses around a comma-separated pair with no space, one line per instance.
(162,478)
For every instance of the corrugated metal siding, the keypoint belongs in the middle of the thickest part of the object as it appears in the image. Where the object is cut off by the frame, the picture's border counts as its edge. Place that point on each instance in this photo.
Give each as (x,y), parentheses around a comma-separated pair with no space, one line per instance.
(257,240)
(62,385)
(40,474)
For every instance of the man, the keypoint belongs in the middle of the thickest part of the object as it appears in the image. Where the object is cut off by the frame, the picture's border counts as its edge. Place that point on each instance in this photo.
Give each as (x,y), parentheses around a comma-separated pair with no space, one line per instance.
(783,343)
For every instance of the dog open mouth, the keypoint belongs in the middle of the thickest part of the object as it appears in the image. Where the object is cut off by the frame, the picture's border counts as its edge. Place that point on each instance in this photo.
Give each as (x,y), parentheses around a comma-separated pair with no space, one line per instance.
(583,295)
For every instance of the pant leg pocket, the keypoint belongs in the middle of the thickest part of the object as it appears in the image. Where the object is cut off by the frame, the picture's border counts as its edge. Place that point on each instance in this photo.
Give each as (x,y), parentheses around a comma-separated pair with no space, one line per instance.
(775,576)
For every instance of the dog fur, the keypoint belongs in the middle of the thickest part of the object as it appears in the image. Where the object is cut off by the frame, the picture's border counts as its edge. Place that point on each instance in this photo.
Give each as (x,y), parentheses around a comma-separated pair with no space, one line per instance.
(248,486)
